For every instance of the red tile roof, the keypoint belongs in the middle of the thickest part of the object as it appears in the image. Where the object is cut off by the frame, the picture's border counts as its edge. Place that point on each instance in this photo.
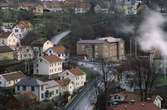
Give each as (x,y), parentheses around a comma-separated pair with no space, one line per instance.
(58,49)
(76,71)
(52,58)
(135,106)
(24,24)
(63,82)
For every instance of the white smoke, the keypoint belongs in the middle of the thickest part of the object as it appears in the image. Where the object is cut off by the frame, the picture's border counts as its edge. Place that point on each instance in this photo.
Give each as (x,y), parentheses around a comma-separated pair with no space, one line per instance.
(127,28)
(56,39)
(152,36)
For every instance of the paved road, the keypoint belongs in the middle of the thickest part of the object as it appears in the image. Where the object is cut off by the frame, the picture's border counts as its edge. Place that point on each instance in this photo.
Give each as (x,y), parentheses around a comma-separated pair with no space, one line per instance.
(82,100)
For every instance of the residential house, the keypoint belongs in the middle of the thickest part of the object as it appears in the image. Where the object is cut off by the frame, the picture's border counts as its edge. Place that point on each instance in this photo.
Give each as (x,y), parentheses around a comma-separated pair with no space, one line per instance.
(36,86)
(6,53)
(3,38)
(48,44)
(38,9)
(52,89)
(22,27)
(77,76)
(79,6)
(108,48)
(58,51)
(7,26)
(48,65)
(54,6)
(66,85)
(100,9)
(11,78)
(13,41)
(4,5)
(130,7)
(25,6)
(43,90)
(37,46)
(24,53)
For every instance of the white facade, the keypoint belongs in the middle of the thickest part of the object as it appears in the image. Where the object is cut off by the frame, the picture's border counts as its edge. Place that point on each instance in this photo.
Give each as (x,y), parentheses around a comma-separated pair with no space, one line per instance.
(42,90)
(13,41)
(78,80)
(10,79)
(24,53)
(37,90)
(66,85)
(43,67)
(48,44)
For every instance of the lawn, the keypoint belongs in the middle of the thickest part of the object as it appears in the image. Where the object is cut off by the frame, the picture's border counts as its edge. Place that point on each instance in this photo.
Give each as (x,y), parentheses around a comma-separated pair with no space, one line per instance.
(89,75)
(161,80)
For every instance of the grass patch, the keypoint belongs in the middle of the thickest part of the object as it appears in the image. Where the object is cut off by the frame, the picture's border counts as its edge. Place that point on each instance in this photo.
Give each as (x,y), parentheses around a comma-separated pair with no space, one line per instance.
(161,80)
(89,75)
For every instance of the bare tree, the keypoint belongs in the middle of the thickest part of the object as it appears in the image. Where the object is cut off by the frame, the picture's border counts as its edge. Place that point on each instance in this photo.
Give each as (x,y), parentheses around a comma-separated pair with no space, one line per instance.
(145,74)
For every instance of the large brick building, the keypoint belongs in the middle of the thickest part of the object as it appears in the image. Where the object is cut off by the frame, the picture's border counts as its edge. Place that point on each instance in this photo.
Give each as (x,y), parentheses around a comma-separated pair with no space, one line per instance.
(108,48)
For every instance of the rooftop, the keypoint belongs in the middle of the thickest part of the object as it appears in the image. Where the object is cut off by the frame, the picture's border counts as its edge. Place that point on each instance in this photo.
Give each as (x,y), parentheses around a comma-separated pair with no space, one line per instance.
(51,83)
(64,82)
(58,49)
(13,75)
(4,34)
(5,49)
(28,81)
(76,71)
(52,58)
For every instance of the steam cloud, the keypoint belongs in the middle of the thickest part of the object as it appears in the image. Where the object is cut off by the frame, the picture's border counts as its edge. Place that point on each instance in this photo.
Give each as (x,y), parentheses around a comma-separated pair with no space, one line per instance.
(152,34)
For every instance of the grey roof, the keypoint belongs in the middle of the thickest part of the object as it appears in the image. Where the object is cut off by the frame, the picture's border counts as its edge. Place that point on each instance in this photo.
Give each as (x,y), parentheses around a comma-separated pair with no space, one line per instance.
(91,41)
(28,81)
(5,49)
(51,84)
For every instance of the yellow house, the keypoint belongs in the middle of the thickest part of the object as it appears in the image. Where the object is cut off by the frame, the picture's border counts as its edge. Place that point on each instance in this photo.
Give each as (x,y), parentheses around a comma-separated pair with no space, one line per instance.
(38,10)
(6,53)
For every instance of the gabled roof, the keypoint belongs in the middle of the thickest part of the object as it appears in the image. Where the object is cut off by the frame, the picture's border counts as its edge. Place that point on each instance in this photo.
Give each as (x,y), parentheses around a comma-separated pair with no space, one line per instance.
(5,49)
(52,59)
(13,75)
(4,34)
(51,84)
(58,49)
(28,81)
(76,71)
(64,82)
